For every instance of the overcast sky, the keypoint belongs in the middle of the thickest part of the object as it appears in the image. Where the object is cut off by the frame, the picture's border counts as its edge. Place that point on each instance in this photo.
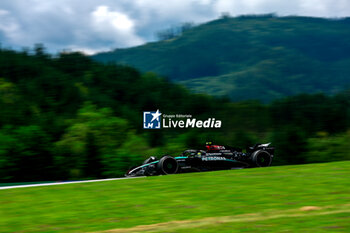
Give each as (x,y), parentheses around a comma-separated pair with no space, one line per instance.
(102,25)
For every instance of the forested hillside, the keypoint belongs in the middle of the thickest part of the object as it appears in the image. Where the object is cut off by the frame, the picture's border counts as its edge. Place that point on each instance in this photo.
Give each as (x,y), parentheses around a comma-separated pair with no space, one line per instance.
(69,117)
(251,57)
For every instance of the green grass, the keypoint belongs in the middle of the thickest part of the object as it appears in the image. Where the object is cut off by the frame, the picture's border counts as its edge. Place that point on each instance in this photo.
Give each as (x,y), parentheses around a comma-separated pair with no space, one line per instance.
(278,192)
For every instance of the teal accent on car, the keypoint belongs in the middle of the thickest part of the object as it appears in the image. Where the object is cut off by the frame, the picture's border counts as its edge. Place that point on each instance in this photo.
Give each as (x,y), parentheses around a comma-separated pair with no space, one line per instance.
(232,160)
(145,165)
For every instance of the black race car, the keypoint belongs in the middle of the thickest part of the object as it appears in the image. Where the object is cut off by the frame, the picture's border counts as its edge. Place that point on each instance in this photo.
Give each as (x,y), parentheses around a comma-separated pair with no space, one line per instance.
(214,157)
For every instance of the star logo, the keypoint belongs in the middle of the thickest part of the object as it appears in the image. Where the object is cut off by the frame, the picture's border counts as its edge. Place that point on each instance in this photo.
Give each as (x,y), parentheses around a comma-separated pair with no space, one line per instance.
(151,120)
(156,115)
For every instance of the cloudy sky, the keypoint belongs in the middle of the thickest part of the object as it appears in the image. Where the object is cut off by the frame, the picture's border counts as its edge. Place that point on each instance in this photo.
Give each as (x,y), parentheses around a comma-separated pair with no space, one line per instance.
(101,25)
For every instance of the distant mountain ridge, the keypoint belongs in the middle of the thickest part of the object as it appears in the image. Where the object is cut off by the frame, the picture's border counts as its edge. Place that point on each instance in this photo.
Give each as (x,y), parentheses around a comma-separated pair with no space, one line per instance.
(250,57)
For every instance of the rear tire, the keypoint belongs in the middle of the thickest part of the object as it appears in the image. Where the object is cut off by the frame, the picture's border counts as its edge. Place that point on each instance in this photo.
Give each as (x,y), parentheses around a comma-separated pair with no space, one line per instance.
(168,165)
(261,158)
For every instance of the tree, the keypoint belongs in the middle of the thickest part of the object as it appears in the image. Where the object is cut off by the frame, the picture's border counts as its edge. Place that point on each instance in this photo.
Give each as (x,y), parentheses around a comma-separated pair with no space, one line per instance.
(326,148)
(290,143)
(6,162)
(89,146)
(25,154)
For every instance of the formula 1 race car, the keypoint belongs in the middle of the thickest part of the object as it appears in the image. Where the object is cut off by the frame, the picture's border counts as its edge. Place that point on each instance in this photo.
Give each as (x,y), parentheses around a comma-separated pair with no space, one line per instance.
(214,157)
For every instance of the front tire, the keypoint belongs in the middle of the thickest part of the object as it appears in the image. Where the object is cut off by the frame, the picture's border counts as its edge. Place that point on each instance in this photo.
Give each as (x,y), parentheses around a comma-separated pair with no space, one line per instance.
(168,165)
(261,158)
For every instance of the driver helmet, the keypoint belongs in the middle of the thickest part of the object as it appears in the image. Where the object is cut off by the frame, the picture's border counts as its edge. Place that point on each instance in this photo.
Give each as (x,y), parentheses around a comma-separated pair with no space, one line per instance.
(208,145)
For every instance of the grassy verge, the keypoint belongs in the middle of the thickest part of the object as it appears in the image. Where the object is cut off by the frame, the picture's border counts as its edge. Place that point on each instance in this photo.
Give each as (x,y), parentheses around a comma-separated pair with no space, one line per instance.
(188,197)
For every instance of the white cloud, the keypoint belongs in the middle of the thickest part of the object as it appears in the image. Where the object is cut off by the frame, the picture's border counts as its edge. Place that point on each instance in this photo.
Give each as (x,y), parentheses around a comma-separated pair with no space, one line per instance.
(114,26)
(86,50)
(319,8)
(106,24)
(325,8)
(119,21)
(8,25)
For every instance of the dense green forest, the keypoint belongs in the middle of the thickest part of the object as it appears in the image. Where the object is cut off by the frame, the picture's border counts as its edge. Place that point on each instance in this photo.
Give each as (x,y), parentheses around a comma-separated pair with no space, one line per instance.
(260,57)
(69,117)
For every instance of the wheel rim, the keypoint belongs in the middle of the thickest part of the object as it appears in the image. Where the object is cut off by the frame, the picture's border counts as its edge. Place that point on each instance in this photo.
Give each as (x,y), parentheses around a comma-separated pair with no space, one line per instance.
(263,159)
(170,166)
